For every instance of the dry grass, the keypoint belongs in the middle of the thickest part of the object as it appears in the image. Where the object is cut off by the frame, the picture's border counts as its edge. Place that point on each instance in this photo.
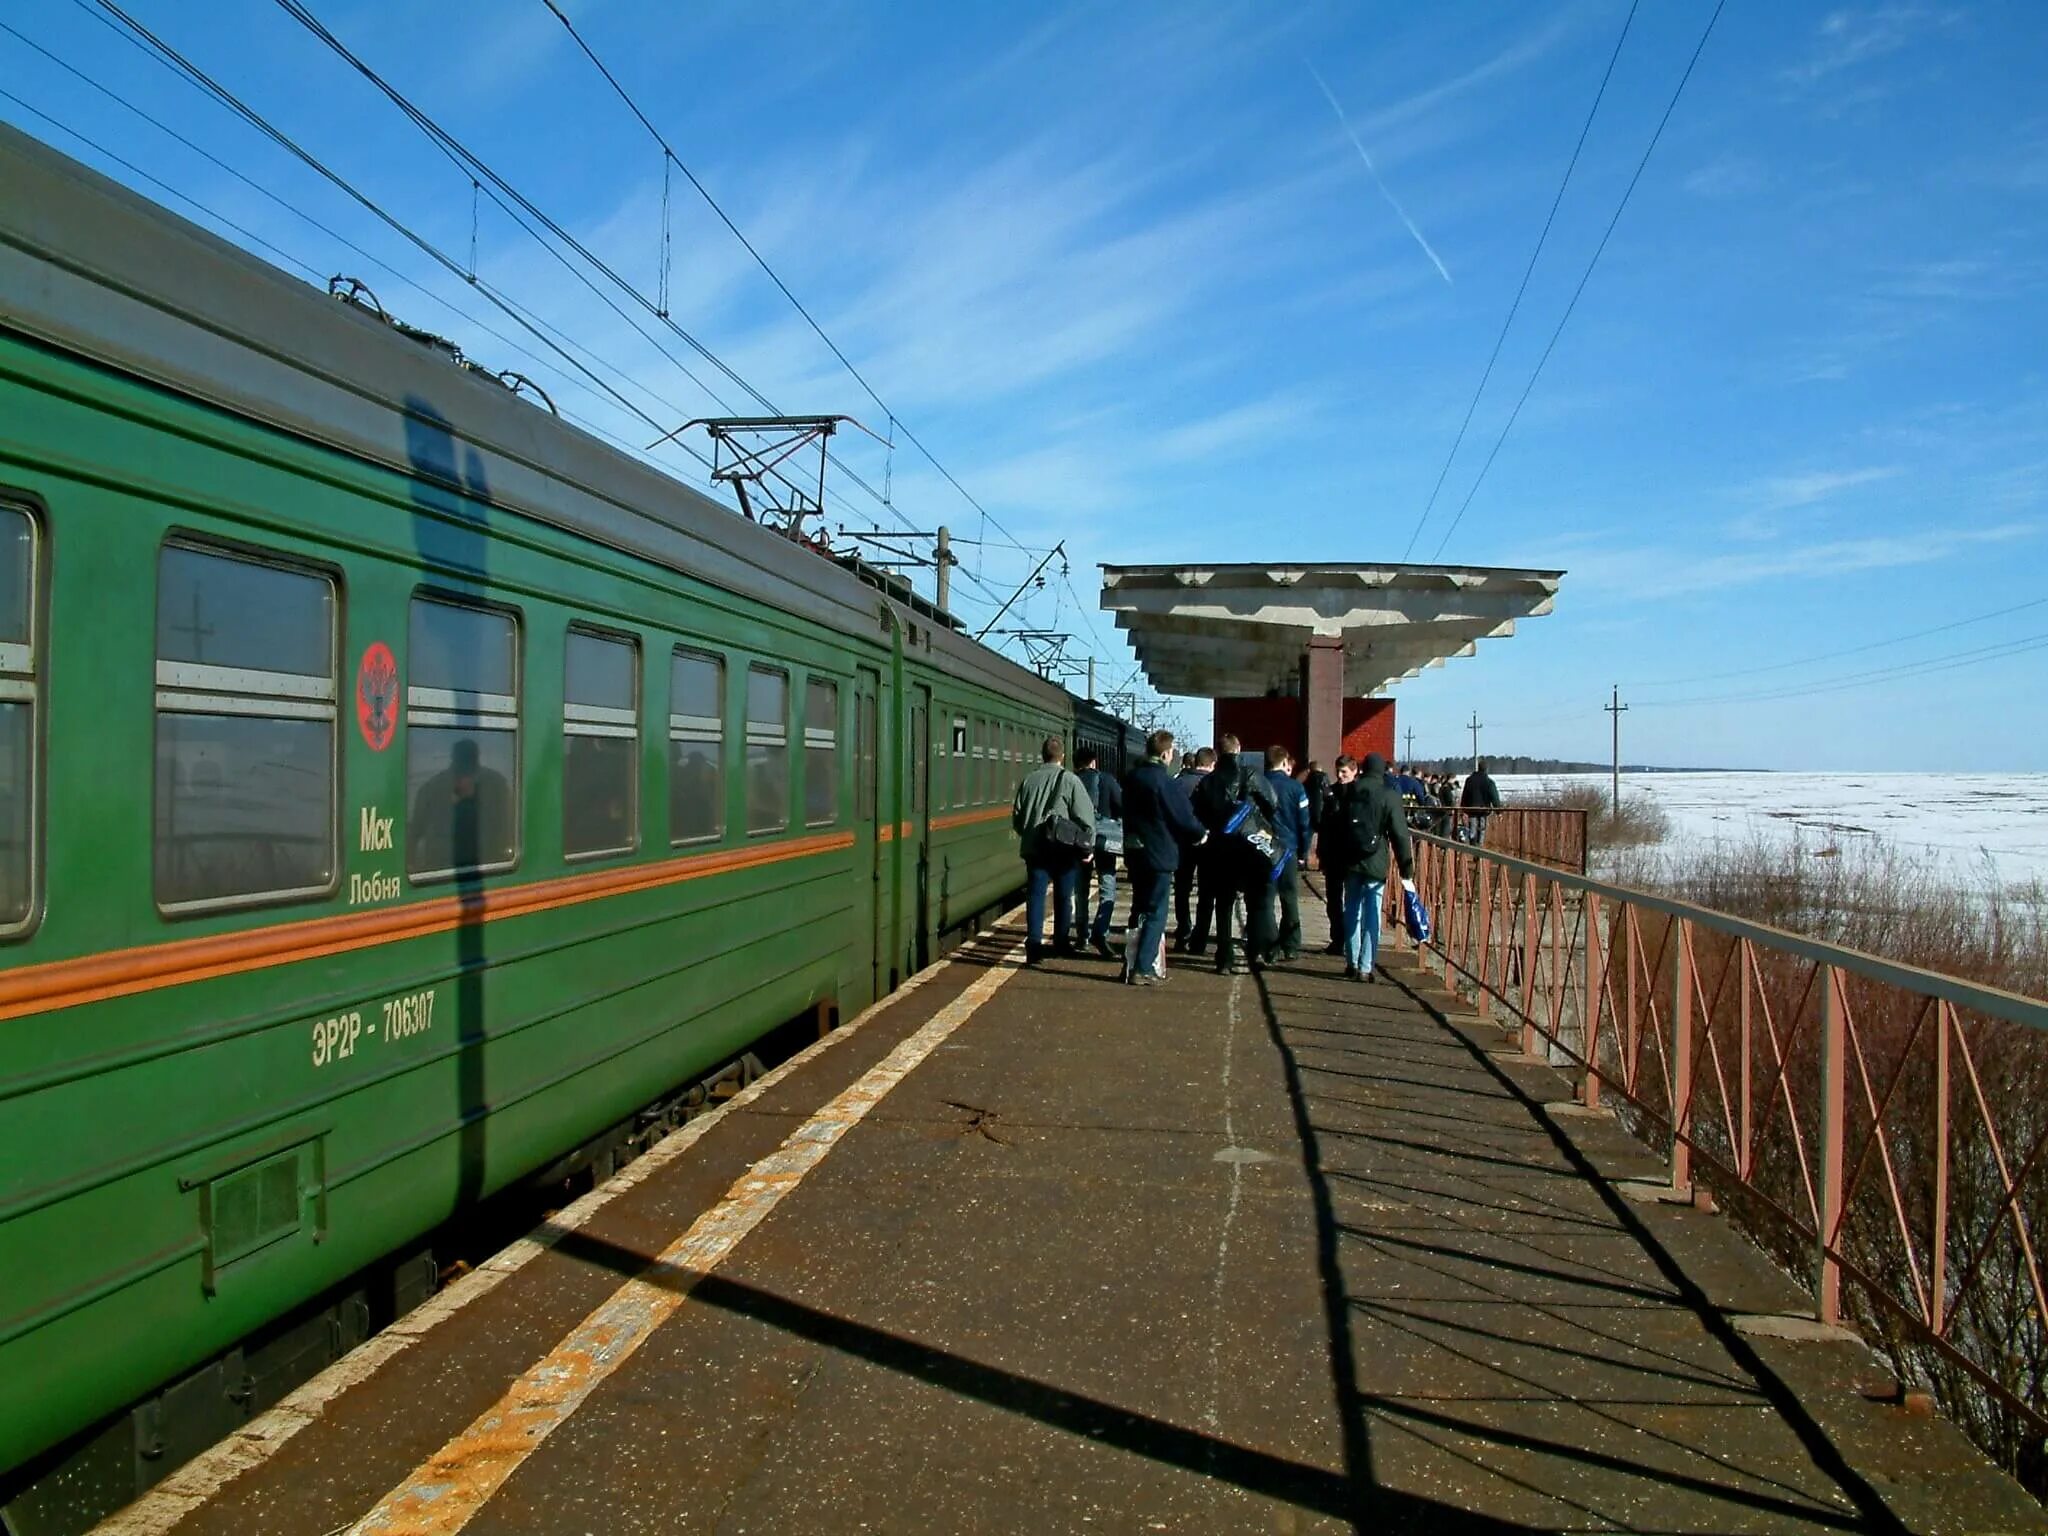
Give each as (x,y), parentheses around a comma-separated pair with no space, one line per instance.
(1640,823)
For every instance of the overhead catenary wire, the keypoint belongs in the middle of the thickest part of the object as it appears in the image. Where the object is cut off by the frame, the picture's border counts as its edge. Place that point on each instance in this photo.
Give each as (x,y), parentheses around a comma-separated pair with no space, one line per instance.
(471,164)
(669,152)
(1528,272)
(1573,303)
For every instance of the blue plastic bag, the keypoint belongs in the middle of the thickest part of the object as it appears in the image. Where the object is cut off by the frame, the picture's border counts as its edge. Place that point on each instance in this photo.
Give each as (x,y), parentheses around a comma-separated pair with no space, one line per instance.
(1414,917)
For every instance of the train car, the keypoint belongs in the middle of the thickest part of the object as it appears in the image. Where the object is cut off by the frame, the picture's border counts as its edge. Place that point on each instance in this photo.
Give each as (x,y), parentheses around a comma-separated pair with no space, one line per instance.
(1117,743)
(398,787)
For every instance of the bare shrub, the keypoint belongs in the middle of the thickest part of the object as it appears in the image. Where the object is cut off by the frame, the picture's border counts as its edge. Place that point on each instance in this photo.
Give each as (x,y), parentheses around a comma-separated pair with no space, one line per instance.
(1640,823)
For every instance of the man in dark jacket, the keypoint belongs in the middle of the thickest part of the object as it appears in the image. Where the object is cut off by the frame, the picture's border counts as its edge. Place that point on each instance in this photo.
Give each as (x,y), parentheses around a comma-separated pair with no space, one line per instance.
(1107,796)
(1292,825)
(1049,793)
(1230,864)
(1480,796)
(1363,821)
(1159,832)
(1192,933)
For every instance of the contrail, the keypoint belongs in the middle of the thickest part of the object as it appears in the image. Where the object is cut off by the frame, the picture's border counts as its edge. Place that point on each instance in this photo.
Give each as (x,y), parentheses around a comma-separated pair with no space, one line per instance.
(1365,155)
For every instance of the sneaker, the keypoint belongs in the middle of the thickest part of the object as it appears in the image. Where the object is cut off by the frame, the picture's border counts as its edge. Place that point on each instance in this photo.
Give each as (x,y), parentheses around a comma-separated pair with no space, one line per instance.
(1148,979)
(1102,947)
(1353,973)
(1369,976)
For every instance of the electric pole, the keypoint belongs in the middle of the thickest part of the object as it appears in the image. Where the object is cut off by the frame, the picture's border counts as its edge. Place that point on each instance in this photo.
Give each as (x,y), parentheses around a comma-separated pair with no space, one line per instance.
(943,559)
(1617,709)
(1474,728)
(1411,746)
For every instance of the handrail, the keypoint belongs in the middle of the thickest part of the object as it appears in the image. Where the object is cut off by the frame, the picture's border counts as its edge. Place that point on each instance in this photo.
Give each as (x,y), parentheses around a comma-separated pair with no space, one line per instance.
(1867,1120)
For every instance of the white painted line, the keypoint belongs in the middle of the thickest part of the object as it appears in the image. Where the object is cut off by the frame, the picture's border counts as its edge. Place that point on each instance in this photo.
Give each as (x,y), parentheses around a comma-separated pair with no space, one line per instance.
(196,1483)
(446,1490)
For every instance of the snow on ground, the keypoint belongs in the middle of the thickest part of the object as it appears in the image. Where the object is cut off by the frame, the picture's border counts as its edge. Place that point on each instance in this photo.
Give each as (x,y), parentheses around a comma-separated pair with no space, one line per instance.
(1964,821)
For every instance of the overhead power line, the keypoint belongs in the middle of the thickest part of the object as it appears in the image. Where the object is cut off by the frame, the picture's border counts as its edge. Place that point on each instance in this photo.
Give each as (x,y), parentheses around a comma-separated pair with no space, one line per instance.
(1584,278)
(668,150)
(1527,272)
(1945,663)
(1854,650)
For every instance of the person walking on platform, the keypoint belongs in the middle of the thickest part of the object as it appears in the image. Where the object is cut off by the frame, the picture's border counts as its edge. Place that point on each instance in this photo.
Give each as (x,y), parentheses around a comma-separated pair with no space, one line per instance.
(1481,796)
(1229,866)
(1292,824)
(1107,798)
(1363,821)
(1192,933)
(1055,827)
(1160,834)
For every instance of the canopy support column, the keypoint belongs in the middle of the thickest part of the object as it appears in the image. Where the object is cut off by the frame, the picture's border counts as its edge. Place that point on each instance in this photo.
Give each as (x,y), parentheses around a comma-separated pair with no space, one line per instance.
(1322,691)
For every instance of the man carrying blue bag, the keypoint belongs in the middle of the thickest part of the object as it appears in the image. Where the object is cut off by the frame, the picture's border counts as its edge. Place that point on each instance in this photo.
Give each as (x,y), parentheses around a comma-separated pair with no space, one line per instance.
(1363,820)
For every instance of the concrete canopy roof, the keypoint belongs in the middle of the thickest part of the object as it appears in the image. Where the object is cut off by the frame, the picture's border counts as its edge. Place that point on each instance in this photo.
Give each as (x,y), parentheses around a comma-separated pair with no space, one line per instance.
(1240,631)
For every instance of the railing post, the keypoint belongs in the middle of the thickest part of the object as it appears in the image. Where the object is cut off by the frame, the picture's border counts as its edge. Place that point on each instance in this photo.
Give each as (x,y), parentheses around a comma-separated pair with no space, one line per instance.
(1529,932)
(1938,1296)
(1833,1108)
(1484,991)
(1589,1015)
(1681,1061)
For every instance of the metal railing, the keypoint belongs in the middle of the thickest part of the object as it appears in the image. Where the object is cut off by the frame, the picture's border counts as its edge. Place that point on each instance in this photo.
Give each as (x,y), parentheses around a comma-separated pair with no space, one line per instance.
(1878,1127)
(1544,834)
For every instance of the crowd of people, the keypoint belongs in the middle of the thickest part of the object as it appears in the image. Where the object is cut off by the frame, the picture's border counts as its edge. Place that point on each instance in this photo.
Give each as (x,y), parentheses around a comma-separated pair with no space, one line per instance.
(1214,844)
(1447,805)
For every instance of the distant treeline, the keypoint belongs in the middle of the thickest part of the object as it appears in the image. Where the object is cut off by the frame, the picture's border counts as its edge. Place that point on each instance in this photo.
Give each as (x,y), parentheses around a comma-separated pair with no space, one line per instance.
(1511,764)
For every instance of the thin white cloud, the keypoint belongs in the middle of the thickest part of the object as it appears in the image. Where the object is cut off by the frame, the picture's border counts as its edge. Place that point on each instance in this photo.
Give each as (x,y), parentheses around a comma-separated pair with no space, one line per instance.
(1650,573)
(1780,492)
(1854,36)
(1378,180)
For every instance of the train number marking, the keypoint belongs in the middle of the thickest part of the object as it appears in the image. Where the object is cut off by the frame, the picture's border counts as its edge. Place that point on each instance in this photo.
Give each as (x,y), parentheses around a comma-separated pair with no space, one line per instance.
(404,1016)
(336,1038)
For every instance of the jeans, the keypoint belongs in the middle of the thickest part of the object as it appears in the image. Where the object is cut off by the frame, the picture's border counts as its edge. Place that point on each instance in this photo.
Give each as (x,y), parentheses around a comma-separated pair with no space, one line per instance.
(1288,889)
(1150,889)
(1060,878)
(1363,901)
(1103,866)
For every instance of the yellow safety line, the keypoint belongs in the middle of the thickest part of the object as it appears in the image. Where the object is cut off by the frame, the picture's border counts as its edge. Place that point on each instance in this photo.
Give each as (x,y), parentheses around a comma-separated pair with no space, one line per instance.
(446,1490)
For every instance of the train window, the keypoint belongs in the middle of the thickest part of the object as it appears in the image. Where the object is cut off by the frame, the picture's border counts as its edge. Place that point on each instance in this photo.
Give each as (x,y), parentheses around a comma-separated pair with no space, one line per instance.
(696,747)
(600,744)
(461,739)
(17,718)
(821,753)
(767,749)
(958,780)
(920,760)
(245,738)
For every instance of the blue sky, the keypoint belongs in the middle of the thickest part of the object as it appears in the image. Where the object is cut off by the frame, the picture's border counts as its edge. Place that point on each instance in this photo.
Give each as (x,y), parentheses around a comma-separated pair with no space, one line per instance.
(1125,273)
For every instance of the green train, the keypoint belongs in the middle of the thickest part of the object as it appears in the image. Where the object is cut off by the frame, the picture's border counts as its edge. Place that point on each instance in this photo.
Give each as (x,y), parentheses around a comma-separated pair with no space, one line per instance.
(398,788)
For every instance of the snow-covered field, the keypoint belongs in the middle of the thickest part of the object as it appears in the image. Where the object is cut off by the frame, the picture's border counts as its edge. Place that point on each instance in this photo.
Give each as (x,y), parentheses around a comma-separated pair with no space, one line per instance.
(1975,824)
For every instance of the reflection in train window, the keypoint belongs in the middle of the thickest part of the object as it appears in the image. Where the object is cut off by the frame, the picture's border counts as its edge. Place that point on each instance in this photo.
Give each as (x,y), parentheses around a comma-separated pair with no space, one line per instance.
(461,739)
(767,749)
(821,752)
(600,744)
(245,711)
(18,669)
(696,747)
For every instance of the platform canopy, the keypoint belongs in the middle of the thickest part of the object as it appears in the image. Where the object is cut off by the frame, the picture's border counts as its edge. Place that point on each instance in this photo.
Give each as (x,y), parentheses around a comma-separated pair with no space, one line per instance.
(1242,631)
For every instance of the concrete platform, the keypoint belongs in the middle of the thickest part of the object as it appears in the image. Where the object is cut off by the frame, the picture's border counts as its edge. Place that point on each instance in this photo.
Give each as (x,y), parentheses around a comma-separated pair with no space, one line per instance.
(1277,1253)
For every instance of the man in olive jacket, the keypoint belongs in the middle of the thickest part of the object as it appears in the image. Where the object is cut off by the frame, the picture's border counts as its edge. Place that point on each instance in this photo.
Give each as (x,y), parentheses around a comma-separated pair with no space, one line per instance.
(1050,791)
(1362,821)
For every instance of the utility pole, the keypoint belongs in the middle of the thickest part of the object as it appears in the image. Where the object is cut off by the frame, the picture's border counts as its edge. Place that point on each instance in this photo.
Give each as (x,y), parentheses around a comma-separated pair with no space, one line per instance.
(943,558)
(1411,746)
(1091,679)
(1474,728)
(1617,709)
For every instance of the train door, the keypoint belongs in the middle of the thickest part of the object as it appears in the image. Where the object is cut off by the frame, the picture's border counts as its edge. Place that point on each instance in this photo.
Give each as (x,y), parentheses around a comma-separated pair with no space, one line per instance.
(868,812)
(917,825)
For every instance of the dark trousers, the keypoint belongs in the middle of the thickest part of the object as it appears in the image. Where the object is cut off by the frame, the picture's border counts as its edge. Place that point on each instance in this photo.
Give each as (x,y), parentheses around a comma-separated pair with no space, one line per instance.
(1059,878)
(1258,905)
(1183,893)
(1333,902)
(1288,889)
(1149,890)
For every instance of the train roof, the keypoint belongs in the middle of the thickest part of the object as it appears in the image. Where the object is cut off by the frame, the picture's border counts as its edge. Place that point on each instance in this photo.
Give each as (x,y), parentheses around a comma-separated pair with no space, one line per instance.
(92,267)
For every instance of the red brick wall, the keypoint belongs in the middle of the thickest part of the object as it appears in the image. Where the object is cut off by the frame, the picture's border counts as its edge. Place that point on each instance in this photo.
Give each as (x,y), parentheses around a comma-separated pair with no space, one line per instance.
(1258,723)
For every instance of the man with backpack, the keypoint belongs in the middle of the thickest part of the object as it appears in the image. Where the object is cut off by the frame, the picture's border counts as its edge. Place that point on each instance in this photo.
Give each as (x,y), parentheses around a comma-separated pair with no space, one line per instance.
(1191,929)
(1055,827)
(1238,808)
(1293,824)
(1362,821)
(1106,796)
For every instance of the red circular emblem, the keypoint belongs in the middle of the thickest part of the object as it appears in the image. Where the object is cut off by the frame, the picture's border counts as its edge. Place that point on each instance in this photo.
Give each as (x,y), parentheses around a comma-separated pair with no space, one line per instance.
(377,696)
